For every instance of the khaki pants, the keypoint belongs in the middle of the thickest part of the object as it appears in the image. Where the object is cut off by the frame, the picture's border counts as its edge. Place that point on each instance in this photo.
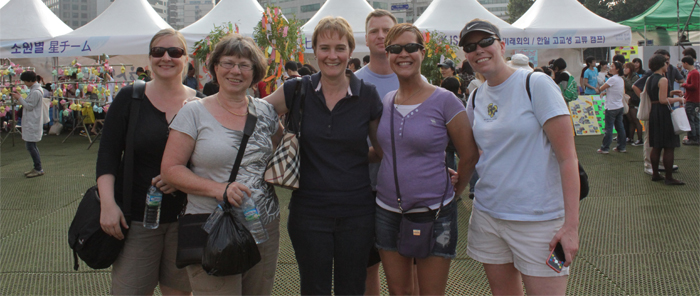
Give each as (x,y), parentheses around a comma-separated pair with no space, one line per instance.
(256,281)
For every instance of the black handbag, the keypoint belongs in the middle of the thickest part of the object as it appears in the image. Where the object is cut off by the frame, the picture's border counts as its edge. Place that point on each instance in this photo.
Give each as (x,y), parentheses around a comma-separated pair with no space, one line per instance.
(415,238)
(85,236)
(191,237)
(583,177)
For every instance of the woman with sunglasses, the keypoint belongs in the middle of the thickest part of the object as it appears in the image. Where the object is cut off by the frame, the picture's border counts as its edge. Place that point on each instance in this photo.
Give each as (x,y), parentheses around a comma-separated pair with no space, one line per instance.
(527,197)
(148,256)
(418,120)
(331,215)
(201,151)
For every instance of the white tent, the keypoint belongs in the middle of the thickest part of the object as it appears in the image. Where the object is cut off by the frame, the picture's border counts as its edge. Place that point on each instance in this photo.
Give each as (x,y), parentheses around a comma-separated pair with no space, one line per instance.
(450,16)
(3,2)
(354,11)
(124,28)
(26,24)
(244,13)
(568,24)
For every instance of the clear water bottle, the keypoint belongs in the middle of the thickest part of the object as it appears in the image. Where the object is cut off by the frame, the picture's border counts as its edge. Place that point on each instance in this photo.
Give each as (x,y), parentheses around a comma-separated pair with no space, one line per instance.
(151,215)
(251,220)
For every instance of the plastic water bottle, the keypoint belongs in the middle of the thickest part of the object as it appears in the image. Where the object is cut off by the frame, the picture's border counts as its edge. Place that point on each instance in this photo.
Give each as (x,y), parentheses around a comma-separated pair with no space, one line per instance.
(151,215)
(251,220)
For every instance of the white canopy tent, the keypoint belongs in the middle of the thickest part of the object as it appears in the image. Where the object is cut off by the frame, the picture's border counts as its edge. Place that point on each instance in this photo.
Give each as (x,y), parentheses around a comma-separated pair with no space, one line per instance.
(354,11)
(244,13)
(24,24)
(568,24)
(124,28)
(450,16)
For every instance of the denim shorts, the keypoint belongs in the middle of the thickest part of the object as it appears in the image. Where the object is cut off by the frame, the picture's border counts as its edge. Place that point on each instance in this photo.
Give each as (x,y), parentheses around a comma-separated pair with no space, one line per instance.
(444,229)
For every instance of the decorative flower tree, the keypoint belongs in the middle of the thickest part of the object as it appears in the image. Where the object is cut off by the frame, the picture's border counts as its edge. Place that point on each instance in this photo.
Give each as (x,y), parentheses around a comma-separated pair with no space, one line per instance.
(437,49)
(280,40)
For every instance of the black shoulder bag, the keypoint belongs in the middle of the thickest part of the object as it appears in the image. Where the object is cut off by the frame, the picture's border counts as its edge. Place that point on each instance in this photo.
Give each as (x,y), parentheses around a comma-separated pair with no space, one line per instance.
(191,236)
(85,236)
(583,177)
(415,239)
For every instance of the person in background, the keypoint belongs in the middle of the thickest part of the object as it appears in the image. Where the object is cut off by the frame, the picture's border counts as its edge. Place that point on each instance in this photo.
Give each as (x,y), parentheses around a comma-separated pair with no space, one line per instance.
(190,80)
(354,64)
(466,73)
(32,119)
(452,84)
(520,61)
(625,121)
(638,87)
(691,52)
(210,88)
(692,100)
(619,58)
(304,71)
(630,77)
(590,77)
(331,215)
(365,60)
(142,75)
(638,67)
(447,69)
(527,199)
(614,91)
(661,134)
(148,257)
(291,68)
(602,73)
(561,77)
(311,68)
(202,148)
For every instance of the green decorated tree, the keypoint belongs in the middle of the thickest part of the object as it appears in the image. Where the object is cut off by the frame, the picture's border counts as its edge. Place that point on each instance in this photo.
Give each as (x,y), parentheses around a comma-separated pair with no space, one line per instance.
(280,40)
(437,48)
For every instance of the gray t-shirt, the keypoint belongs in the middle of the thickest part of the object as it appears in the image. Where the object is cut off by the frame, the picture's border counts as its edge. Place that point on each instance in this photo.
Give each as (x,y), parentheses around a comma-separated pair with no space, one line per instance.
(215,152)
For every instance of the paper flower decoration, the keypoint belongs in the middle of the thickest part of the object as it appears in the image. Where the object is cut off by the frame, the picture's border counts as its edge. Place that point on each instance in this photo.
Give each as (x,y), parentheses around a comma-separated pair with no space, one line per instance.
(66,112)
(60,72)
(54,72)
(80,75)
(123,69)
(105,108)
(3,113)
(95,108)
(77,92)
(63,102)
(8,108)
(54,102)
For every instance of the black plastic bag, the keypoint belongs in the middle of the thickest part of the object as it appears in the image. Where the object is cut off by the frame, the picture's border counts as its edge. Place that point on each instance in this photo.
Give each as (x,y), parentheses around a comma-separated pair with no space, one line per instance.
(230,247)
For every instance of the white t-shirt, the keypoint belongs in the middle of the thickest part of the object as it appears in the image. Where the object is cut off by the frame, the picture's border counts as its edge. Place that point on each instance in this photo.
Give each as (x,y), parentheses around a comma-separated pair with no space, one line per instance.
(519,173)
(614,94)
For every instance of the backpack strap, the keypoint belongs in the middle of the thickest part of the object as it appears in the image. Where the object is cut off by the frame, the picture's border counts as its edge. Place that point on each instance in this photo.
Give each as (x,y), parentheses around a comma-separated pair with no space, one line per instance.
(137,95)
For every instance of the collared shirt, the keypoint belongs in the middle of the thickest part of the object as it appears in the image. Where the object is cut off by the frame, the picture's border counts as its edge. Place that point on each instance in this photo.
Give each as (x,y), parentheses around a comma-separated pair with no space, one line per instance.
(334,166)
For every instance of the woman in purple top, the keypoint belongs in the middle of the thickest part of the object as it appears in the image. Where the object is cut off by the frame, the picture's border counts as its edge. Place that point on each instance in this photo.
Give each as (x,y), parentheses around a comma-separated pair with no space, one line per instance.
(424,119)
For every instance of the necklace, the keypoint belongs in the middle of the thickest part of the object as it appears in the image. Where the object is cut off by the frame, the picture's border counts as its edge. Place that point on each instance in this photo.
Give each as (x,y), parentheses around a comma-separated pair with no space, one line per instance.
(409,97)
(234,113)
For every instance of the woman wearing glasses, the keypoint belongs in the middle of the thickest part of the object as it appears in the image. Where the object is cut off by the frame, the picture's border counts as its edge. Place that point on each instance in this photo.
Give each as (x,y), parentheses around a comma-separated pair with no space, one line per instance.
(148,256)
(527,197)
(331,215)
(418,120)
(207,134)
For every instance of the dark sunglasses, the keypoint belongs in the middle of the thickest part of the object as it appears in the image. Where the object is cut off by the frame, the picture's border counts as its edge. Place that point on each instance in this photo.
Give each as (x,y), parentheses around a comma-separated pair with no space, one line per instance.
(486,42)
(397,48)
(173,52)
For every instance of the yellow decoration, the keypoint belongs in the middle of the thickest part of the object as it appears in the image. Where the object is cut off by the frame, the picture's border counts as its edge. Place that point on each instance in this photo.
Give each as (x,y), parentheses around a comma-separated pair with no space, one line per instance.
(116,88)
(24,96)
(5,91)
(123,69)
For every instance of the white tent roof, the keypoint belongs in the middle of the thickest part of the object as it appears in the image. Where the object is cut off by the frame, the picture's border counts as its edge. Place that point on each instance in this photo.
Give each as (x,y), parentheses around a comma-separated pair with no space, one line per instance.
(124,28)
(28,20)
(565,24)
(244,13)
(354,11)
(450,16)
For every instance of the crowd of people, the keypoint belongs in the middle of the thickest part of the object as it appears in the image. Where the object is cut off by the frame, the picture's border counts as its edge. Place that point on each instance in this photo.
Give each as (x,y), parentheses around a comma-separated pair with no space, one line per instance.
(378,149)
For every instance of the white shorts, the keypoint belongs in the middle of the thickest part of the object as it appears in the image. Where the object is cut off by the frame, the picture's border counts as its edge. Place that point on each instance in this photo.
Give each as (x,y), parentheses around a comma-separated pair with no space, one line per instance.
(523,243)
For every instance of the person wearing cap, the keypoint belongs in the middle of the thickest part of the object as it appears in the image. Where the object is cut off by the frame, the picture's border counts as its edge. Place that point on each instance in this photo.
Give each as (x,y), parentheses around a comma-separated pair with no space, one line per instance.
(447,69)
(142,75)
(520,61)
(527,198)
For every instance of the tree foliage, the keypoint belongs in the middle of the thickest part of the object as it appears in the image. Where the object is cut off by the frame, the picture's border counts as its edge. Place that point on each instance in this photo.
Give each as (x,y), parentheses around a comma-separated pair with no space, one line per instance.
(614,10)
(516,9)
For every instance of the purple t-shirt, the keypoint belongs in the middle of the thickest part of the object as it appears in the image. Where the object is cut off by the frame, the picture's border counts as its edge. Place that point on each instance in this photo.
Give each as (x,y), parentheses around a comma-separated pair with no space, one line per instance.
(421,137)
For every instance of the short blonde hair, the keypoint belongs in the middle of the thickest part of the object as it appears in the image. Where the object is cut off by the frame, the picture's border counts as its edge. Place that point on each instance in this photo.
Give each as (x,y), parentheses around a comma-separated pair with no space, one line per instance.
(240,46)
(379,13)
(329,25)
(165,33)
(399,29)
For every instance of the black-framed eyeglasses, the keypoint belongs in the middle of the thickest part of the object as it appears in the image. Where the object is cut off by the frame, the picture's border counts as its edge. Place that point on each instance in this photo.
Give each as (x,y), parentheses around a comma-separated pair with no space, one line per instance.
(483,43)
(243,67)
(173,52)
(397,48)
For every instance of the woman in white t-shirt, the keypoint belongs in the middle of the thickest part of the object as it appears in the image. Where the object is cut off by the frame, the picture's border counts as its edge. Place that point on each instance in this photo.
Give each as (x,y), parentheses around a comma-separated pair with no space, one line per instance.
(614,92)
(527,198)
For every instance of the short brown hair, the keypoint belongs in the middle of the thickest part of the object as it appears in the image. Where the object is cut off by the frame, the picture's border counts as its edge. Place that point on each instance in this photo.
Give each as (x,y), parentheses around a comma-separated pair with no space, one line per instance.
(331,25)
(165,33)
(240,46)
(399,29)
(379,13)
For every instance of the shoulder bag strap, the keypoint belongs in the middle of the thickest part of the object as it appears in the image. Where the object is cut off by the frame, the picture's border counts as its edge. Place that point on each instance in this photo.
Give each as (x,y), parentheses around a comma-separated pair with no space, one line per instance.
(250,122)
(137,95)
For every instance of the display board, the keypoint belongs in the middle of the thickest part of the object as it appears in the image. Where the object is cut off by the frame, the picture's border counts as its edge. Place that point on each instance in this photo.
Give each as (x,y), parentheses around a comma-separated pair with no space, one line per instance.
(585,116)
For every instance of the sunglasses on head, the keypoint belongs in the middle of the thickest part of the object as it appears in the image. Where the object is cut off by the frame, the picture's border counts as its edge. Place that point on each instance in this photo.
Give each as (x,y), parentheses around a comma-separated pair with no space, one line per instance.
(397,48)
(486,42)
(173,52)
